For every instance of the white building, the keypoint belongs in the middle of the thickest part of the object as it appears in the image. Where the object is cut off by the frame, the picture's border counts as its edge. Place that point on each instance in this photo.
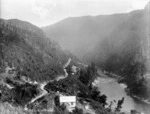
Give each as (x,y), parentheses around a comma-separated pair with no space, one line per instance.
(69,101)
(74,69)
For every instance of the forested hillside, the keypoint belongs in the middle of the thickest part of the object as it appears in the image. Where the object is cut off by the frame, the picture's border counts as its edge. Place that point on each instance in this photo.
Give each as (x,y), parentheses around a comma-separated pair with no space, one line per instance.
(24,47)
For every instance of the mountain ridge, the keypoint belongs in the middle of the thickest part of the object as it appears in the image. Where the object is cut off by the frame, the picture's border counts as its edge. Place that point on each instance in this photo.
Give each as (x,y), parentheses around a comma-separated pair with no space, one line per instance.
(82,34)
(25,47)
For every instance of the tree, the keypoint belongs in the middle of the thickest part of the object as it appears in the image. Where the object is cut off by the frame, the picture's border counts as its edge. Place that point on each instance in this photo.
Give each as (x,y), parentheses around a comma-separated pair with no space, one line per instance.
(119,105)
(69,70)
(88,75)
(56,100)
(77,111)
(102,99)
(61,109)
(95,95)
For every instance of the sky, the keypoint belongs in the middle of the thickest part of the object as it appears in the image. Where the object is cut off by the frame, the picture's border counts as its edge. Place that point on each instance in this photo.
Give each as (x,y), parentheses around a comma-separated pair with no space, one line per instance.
(47,12)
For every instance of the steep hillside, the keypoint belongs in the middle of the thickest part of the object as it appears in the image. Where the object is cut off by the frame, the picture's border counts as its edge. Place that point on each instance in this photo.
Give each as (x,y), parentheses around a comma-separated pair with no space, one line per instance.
(129,36)
(80,34)
(26,48)
(84,36)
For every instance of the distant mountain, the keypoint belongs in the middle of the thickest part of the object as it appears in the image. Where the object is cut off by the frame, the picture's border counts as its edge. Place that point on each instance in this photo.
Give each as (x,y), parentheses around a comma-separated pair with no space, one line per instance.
(147,7)
(80,34)
(25,47)
(91,38)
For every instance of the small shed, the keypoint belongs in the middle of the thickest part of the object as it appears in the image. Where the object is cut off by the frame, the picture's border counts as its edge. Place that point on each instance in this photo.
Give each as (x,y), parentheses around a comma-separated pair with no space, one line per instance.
(69,101)
(74,69)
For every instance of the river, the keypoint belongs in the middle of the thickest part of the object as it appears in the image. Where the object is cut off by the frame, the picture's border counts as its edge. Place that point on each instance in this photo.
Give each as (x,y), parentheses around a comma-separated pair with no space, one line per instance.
(115,91)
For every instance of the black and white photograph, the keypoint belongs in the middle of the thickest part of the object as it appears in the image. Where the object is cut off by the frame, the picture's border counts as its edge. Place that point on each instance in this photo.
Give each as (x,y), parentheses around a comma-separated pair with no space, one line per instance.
(74,56)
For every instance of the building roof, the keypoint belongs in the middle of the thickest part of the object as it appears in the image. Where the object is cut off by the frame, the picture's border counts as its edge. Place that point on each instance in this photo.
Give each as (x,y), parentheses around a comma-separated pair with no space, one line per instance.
(67,99)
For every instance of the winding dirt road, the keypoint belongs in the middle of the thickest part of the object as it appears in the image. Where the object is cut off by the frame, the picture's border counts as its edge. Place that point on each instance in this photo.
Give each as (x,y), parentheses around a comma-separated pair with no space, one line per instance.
(43,92)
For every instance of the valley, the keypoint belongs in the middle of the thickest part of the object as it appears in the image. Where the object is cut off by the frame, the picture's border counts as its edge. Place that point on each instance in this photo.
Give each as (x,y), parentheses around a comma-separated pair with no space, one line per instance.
(102,61)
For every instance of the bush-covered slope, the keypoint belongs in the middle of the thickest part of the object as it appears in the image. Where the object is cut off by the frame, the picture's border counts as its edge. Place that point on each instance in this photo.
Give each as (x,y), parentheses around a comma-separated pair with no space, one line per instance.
(25,47)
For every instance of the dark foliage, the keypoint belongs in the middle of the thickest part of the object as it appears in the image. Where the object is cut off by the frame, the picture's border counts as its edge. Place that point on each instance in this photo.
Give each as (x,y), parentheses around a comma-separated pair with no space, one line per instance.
(69,70)
(56,100)
(22,94)
(119,105)
(88,75)
(60,110)
(25,47)
(77,111)
(70,85)
(96,95)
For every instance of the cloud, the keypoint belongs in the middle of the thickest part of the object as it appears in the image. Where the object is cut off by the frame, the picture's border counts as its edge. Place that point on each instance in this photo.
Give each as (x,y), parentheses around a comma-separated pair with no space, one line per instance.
(42,7)
(139,4)
(44,12)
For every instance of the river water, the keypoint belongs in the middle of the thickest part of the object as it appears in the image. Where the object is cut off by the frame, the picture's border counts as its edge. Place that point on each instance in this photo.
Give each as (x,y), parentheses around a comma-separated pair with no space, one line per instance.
(115,91)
